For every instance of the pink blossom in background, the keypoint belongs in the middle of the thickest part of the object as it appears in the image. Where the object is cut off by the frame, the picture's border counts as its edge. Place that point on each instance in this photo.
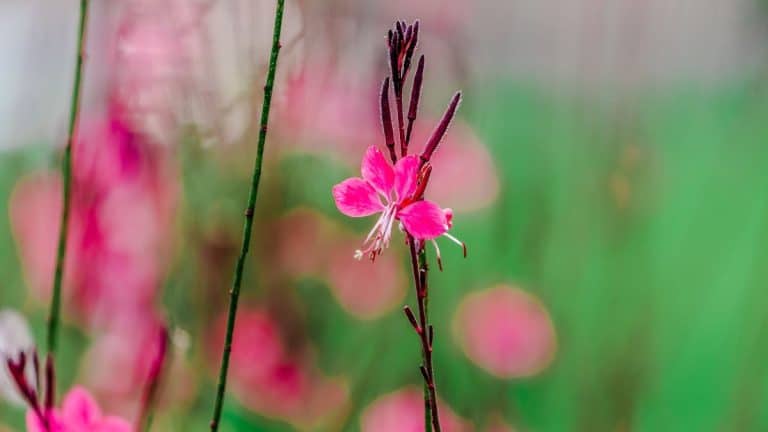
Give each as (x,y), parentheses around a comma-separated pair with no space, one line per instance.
(271,381)
(311,245)
(131,346)
(124,194)
(506,331)
(303,236)
(79,413)
(464,177)
(364,290)
(34,199)
(403,411)
(153,54)
(325,112)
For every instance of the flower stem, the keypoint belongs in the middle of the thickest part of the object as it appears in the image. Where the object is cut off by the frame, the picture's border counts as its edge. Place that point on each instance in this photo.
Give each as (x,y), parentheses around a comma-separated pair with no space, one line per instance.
(66,171)
(234,293)
(425,333)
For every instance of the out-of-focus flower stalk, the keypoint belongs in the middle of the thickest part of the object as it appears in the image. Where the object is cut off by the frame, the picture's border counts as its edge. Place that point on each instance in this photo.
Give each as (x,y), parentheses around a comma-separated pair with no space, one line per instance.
(66,171)
(234,293)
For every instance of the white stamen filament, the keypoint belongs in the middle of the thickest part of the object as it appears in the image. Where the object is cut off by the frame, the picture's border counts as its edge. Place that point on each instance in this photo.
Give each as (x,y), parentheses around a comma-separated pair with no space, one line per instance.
(382,229)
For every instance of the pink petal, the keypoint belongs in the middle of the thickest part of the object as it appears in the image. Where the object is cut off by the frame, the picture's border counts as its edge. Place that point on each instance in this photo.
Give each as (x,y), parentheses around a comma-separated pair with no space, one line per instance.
(35,425)
(356,198)
(376,171)
(424,220)
(79,408)
(406,174)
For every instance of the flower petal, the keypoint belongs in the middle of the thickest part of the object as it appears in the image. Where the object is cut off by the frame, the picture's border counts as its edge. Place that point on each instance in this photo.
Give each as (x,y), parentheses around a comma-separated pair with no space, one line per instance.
(79,408)
(376,171)
(406,175)
(356,198)
(424,220)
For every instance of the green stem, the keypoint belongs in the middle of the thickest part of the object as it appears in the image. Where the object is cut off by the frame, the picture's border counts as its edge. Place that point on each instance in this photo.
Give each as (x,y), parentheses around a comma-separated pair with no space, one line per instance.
(66,171)
(234,293)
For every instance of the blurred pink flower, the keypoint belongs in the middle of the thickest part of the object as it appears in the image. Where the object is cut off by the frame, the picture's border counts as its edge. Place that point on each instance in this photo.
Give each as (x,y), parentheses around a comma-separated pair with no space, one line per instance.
(323,112)
(153,55)
(303,234)
(403,411)
(122,207)
(365,291)
(271,381)
(34,201)
(130,346)
(464,176)
(359,197)
(79,413)
(505,331)
(313,246)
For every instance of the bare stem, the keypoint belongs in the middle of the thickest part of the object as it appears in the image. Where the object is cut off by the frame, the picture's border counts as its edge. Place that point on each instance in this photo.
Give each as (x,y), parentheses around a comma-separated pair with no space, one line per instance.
(66,172)
(425,333)
(234,293)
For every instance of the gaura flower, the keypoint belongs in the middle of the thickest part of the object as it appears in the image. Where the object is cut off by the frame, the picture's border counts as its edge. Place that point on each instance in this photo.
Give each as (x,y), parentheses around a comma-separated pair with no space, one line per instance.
(79,412)
(394,194)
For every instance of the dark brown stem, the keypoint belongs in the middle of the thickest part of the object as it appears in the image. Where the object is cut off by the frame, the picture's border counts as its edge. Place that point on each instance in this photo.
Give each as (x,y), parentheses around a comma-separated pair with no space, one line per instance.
(425,333)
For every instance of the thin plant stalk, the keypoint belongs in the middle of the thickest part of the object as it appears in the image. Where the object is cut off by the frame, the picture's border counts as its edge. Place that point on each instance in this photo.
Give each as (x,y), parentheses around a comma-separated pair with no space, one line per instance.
(234,293)
(66,171)
(425,332)
(402,42)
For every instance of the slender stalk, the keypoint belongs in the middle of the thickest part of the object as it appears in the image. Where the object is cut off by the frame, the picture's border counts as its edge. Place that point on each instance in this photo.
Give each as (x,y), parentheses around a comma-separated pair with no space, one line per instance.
(66,171)
(425,333)
(234,293)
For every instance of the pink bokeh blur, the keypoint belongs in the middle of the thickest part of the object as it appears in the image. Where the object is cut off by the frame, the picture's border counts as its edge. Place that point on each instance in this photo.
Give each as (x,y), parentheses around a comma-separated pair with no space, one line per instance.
(506,331)
(273,381)
(403,411)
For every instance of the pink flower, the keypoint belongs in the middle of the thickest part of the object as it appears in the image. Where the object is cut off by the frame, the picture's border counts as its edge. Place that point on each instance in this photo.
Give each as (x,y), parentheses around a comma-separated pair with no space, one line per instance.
(506,332)
(393,194)
(122,205)
(403,411)
(78,413)
(271,379)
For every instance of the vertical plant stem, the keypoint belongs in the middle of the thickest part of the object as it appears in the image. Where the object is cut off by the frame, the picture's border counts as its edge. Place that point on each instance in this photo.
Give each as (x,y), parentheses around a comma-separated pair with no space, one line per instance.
(425,333)
(66,171)
(234,293)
